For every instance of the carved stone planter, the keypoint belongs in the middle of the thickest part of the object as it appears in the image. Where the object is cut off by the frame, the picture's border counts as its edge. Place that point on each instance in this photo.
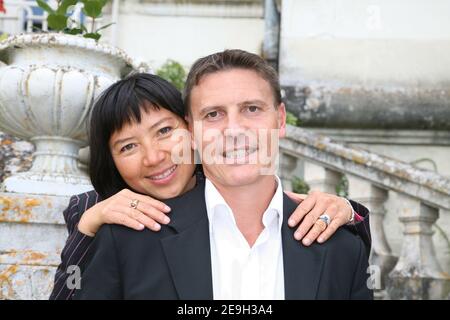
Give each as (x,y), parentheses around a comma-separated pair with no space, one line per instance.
(48,83)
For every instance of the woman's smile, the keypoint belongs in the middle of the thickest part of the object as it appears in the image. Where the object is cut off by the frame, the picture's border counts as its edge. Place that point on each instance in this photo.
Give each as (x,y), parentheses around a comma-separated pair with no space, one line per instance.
(163,177)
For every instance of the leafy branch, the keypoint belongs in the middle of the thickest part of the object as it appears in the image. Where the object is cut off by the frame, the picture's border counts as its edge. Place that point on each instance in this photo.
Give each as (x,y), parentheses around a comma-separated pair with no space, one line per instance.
(173,72)
(59,17)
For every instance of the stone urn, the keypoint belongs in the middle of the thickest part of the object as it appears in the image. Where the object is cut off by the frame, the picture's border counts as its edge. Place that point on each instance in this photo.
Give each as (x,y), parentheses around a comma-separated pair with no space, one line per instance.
(48,83)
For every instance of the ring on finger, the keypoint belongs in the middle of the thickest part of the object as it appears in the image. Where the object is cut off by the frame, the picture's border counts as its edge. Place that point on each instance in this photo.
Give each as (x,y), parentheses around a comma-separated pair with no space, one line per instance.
(134,203)
(325,218)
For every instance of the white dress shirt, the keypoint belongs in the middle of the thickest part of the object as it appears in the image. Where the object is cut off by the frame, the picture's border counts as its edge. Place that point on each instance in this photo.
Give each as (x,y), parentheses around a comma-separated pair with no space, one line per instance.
(238,270)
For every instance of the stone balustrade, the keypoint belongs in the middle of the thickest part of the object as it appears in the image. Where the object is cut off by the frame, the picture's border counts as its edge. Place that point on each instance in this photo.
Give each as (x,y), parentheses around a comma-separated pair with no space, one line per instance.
(378,182)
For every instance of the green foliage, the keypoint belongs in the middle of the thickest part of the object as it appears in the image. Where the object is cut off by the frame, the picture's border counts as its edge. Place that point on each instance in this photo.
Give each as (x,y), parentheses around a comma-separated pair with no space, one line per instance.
(93,8)
(173,72)
(299,185)
(92,35)
(342,187)
(57,21)
(65,5)
(58,18)
(3,36)
(74,31)
(291,119)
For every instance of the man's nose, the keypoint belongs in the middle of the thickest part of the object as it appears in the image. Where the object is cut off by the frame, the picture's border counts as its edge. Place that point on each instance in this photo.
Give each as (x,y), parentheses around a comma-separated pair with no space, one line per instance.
(235,124)
(235,132)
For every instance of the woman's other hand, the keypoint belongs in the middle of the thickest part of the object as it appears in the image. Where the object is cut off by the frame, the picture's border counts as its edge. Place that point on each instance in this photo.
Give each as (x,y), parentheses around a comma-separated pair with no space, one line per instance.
(310,208)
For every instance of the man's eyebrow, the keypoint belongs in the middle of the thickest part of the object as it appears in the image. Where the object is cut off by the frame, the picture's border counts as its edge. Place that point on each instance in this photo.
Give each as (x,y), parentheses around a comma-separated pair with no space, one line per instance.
(241,104)
(207,110)
(254,102)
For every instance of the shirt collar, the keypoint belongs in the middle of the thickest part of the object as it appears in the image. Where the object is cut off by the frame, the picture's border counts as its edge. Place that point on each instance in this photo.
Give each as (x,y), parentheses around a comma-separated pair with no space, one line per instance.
(214,200)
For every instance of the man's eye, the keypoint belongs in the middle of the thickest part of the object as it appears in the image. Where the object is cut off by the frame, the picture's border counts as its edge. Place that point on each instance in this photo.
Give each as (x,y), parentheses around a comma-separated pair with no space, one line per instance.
(165,130)
(212,114)
(253,108)
(128,147)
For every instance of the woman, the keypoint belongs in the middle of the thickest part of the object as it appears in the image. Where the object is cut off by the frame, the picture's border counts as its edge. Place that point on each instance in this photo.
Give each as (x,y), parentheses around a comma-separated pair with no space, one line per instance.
(132,142)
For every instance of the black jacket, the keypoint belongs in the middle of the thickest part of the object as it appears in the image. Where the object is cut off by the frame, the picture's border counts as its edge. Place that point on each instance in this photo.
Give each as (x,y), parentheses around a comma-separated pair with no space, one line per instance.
(175,263)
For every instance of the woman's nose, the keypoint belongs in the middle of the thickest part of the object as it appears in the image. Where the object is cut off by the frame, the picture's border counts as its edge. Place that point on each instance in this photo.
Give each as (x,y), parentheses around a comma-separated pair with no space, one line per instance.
(153,156)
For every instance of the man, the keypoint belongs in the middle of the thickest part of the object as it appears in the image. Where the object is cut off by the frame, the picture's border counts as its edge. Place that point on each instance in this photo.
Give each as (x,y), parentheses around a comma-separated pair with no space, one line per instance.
(234,242)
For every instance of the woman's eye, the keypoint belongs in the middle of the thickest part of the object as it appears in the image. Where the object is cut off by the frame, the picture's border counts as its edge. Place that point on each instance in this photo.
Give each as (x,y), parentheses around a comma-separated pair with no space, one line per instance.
(128,147)
(164,130)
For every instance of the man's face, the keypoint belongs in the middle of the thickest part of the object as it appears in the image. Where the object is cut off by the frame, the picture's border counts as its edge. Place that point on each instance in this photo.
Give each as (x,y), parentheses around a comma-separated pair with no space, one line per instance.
(236,126)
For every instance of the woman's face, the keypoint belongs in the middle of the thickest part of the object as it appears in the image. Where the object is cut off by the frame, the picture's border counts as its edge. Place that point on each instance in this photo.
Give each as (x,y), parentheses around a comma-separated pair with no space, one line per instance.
(142,154)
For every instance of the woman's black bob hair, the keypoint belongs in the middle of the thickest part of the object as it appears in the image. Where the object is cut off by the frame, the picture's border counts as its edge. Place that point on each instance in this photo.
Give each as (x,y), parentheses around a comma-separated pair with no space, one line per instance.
(120,104)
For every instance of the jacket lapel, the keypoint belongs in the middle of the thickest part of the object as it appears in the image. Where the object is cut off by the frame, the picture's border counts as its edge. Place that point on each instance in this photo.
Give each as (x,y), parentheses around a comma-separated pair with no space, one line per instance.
(189,258)
(188,251)
(302,265)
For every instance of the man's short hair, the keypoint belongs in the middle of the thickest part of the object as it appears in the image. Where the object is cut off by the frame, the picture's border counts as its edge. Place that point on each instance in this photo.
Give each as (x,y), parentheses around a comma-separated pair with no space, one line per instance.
(226,60)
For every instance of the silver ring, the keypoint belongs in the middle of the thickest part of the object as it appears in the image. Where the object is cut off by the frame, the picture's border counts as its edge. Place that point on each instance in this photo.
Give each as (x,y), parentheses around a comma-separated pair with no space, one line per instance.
(134,203)
(325,218)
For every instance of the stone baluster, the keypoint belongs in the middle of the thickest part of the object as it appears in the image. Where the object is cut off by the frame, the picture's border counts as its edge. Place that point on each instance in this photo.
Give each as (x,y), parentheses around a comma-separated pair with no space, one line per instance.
(417,274)
(288,163)
(320,178)
(381,258)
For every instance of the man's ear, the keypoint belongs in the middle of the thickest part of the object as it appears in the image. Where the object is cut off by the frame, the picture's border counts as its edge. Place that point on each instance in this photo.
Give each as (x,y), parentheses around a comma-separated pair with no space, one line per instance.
(281,120)
(190,123)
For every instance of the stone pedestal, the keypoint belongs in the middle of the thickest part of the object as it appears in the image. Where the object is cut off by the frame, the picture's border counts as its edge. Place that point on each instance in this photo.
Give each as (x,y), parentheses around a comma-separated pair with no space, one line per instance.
(32,235)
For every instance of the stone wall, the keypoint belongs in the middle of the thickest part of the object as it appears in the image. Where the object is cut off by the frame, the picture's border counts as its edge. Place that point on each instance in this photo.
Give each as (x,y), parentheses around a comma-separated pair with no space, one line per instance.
(367,64)
(32,230)
(15,155)
(186,30)
(32,235)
